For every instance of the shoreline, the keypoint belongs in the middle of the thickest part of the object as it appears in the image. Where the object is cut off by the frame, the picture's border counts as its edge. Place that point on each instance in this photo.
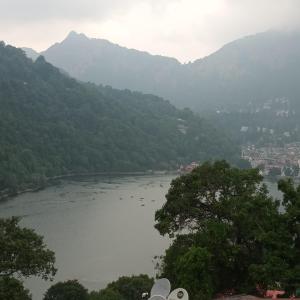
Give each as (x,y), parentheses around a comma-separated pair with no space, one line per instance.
(50,181)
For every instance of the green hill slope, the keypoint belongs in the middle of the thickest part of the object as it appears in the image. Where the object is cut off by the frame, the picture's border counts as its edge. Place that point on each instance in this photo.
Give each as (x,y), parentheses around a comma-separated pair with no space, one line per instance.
(50,124)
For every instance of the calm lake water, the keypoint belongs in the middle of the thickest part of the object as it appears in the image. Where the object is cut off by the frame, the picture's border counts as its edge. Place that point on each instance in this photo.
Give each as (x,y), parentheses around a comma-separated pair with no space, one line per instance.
(100,228)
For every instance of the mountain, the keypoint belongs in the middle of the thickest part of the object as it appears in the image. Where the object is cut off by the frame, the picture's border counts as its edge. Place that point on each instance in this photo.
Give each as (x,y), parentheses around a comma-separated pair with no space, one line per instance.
(250,71)
(51,124)
(244,72)
(102,62)
(30,53)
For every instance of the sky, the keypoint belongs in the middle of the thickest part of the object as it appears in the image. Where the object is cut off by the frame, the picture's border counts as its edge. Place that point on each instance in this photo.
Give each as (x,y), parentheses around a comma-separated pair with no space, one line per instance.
(185,29)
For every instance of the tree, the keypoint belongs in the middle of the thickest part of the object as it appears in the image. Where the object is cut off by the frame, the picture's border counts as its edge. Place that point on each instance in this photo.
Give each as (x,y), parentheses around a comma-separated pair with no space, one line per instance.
(291,204)
(68,290)
(208,192)
(229,232)
(23,252)
(194,271)
(12,289)
(125,288)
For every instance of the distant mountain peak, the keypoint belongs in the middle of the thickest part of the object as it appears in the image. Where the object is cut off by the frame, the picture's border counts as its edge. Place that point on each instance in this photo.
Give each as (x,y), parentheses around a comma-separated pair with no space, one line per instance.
(73,35)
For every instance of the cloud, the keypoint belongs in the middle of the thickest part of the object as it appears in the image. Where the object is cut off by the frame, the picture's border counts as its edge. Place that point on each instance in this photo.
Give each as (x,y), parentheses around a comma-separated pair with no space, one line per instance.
(187,29)
(68,10)
(190,29)
(37,11)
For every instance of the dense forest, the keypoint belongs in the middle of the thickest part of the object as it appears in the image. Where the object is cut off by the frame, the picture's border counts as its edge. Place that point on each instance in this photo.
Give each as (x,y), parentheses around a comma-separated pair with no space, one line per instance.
(51,124)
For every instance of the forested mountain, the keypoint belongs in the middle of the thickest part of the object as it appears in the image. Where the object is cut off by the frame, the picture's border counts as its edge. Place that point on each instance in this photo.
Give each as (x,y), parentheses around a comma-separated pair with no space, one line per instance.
(31,53)
(244,72)
(50,124)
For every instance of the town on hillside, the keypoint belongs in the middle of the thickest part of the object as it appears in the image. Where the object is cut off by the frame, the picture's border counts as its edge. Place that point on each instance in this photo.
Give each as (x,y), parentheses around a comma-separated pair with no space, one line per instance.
(274,160)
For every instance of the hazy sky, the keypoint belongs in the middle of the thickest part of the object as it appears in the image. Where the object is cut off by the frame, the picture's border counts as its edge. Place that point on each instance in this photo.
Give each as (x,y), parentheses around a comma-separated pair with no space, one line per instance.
(185,29)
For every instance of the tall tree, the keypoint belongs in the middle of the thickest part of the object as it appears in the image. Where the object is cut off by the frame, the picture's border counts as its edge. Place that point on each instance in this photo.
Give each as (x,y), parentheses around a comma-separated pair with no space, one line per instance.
(125,288)
(68,290)
(12,289)
(230,234)
(22,254)
(291,205)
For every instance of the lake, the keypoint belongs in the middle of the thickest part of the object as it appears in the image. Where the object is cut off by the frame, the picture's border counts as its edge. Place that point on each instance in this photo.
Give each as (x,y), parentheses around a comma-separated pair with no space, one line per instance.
(100,228)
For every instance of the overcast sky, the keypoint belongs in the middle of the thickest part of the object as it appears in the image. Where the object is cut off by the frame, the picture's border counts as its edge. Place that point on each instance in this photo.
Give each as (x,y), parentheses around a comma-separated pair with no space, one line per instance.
(185,29)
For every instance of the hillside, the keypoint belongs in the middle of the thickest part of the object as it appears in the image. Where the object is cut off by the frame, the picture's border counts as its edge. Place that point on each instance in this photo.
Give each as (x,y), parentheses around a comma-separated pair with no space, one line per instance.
(244,72)
(250,71)
(50,124)
(30,53)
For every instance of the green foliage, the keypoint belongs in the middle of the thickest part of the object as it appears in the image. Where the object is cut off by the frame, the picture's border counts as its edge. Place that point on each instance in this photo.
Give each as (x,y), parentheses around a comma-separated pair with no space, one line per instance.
(68,290)
(12,289)
(230,234)
(50,125)
(23,252)
(125,288)
(193,270)
(291,204)
(205,194)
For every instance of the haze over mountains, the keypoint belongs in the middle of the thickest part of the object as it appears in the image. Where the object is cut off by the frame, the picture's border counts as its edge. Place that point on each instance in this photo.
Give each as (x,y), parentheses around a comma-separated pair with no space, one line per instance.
(252,70)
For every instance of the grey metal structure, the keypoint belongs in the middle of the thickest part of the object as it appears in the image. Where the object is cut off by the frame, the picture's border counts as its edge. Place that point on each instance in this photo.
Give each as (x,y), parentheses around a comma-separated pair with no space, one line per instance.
(179,294)
(161,291)
(157,297)
(161,287)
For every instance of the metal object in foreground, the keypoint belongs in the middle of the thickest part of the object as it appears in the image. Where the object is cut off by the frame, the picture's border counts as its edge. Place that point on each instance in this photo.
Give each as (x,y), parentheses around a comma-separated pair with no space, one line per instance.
(179,294)
(157,297)
(161,287)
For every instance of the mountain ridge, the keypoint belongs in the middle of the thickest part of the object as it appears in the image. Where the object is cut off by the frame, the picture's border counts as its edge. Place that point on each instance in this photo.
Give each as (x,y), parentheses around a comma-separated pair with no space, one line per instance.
(254,68)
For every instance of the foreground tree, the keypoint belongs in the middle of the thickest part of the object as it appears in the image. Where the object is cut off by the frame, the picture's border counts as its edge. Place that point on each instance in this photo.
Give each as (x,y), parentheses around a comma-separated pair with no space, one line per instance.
(12,289)
(230,234)
(125,288)
(68,290)
(291,205)
(22,254)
